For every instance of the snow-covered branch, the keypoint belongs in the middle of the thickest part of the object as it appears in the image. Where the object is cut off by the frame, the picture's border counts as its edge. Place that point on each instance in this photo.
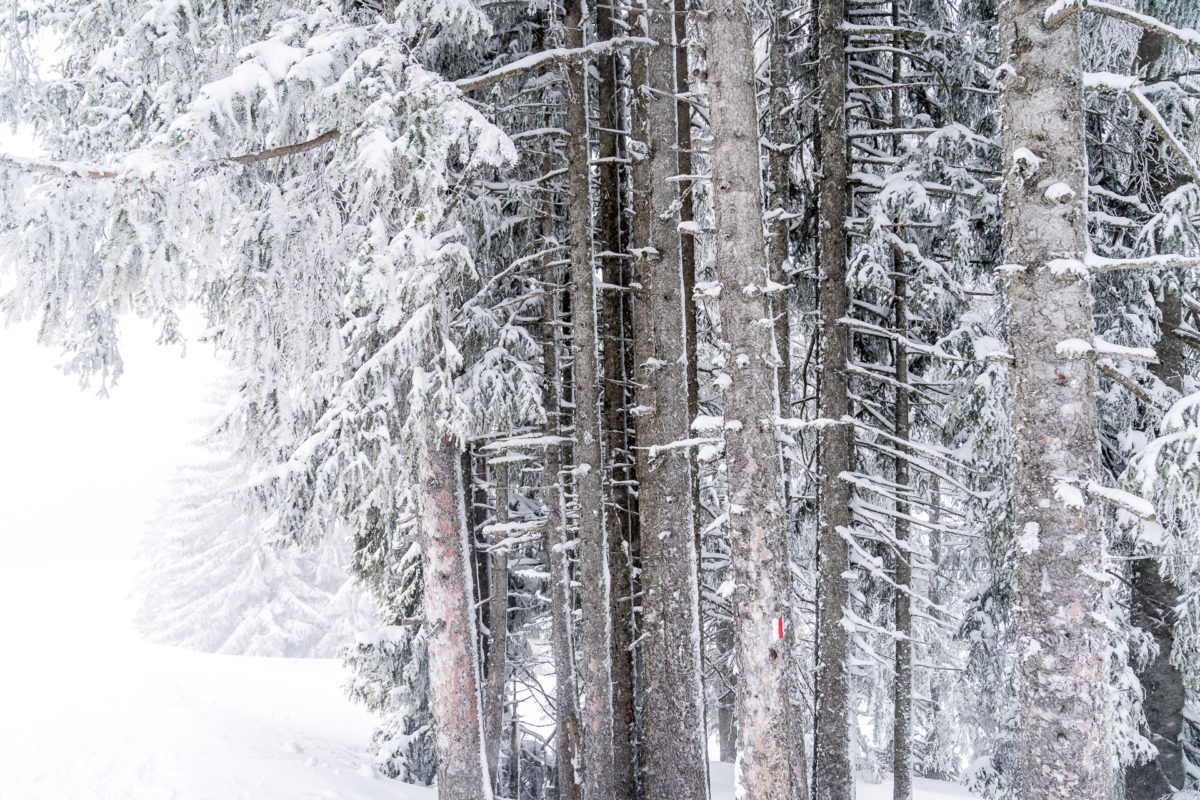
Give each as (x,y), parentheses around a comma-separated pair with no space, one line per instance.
(1097,263)
(1138,506)
(546,58)
(95,172)
(1060,11)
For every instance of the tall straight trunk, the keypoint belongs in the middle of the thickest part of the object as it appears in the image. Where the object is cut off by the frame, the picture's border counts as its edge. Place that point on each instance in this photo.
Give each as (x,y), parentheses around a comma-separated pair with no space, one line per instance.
(566,713)
(497,630)
(833,778)
(1063,694)
(673,737)
(617,518)
(934,593)
(777,197)
(449,619)
(514,747)
(1153,603)
(902,699)
(687,262)
(778,254)
(760,565)
(594,592)
(902,686)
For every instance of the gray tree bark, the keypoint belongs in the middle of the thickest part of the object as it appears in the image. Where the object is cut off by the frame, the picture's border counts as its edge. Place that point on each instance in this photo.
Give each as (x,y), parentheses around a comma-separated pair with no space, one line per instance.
(760,565)
(618,518)
(902,687)
(778,183)
(449,618)
(497,633)
(832,775)
(902,699)
(566,712)
(1063,692)
(594,592)
(673,737)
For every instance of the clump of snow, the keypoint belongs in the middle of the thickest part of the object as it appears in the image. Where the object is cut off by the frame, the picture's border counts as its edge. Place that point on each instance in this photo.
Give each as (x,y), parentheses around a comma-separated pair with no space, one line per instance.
(1073,348)
(1059,193)
(1067,268)
(1028,541)
(989,348)
(1026,162)
(1069,495)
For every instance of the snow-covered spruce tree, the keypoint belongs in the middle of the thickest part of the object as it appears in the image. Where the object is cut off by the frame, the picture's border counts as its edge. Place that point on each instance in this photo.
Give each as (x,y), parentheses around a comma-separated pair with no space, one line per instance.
(391,675)
(323,260)
(213,582)
(1140,188)
(924,241)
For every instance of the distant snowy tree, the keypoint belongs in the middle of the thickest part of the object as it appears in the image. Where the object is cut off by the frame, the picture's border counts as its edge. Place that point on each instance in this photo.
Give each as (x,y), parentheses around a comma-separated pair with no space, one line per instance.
(217,580)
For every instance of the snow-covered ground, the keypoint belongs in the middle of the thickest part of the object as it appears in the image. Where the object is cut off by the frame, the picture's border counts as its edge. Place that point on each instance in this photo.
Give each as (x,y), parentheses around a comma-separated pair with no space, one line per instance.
(87,710)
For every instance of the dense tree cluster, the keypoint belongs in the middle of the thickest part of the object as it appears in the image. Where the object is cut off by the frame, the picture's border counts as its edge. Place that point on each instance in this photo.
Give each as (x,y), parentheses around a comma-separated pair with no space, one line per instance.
(814,378)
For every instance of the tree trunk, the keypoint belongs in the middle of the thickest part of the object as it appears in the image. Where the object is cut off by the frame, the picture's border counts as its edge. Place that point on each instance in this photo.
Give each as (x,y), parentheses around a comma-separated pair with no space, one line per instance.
(673,740)
(833,778)
(497,631)
(1154,596)
(618,495)
(1154,600)
(727,703)
(566,714)
(1063,694)
(778,183)
(449,618)
(760,565)
(902,687)
(902,700)
(594,592)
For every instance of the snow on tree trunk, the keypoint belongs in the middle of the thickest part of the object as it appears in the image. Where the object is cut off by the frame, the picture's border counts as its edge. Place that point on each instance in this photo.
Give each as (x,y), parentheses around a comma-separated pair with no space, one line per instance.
(1062,639)
(618,517)
(566,713)
(902,686)
(497,630)
(760,566)
(594,587)
(778,184)
(673,752)
(832,775)
(450,623)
